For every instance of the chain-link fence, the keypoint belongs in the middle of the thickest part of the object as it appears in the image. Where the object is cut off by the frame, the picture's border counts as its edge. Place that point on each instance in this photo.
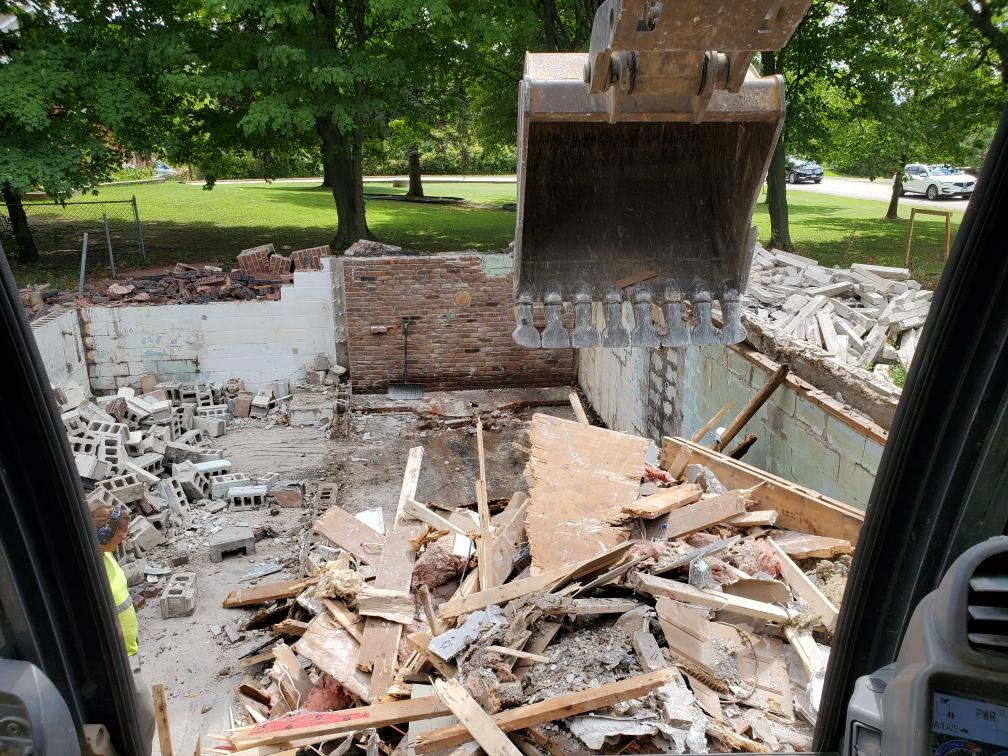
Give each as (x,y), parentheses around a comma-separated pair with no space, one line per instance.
(58,230)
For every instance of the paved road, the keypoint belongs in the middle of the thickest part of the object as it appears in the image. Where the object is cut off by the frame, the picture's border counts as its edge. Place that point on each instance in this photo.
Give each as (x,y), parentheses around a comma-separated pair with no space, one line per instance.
(879,189)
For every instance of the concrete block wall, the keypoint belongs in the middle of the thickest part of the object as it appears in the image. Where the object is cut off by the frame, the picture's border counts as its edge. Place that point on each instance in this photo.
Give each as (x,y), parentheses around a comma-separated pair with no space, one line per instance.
(59,341)
(679,390)
(258,341)
(460,335)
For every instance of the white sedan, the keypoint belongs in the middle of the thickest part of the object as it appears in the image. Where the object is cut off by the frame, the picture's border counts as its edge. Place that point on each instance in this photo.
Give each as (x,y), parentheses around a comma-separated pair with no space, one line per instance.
(937,181)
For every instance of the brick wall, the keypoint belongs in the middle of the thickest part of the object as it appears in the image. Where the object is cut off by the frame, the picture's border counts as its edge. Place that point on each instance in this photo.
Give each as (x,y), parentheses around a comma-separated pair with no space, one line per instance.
(460,337)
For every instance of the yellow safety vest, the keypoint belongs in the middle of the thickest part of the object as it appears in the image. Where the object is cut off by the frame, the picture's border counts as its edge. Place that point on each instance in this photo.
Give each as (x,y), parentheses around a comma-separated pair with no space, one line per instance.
(124,603)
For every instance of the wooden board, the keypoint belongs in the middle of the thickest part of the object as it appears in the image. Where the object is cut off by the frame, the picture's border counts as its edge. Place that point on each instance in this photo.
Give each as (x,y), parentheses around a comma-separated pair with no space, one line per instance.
(390,604)
(544,581)
(348,620)
(380,646)
(484,547)
(161,719)
(315,727)
(508,536)
(702,514)
(350,534)
(756,518)
(293,680)
(420,643)
(471,716)
(687,594)
(663,502)
(798,508)
(805,546)
(803,587)
(558,707)
(264,593)
(579,477)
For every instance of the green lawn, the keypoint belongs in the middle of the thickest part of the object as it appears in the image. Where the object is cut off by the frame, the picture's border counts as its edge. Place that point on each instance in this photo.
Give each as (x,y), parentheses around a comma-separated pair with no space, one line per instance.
(183,222)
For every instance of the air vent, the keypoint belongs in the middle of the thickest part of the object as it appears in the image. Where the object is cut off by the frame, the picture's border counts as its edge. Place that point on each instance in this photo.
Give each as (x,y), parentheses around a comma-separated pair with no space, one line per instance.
(987,623)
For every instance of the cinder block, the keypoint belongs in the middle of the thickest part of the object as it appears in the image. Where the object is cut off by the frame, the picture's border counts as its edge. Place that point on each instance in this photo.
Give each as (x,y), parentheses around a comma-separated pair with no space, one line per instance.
(194,437)
(144,534)
(213,466)
(232,540)
(99,495)
(151,462)
(127,467)
(195,484)
(221,484)
(268,479)
(85,444)
(173,494)
(179,596)
(209,455)
(109,449)
(126,487)
(214,427)
(176,451)
(73,423)
(247,497)
(117,430)
(89,466)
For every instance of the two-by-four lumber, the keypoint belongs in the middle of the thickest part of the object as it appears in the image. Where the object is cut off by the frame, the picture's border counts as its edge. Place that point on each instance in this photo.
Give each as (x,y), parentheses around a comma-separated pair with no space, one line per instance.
(379,649)
(544,581)
(687,594)
(265,593)
(704,429)
(803,587)
(350,534)
(704,513)
(510,533)
(419,511)
(474,719)
(420,643)
(579,413)
(161,718)
(752,407)
(557,707)
(484,549)
(662,502)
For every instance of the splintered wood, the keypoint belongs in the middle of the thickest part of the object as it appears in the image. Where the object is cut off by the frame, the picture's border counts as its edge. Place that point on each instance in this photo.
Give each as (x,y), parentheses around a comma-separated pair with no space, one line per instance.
(719,608)
(579,478)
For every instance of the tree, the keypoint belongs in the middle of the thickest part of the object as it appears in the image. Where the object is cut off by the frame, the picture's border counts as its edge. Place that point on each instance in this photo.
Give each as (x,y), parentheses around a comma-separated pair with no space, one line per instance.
(776,194)
(80,85)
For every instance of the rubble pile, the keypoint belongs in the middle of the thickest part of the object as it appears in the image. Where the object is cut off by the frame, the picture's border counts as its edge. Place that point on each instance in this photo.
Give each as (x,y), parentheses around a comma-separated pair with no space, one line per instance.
(866,316)
(154,452)
(695,619)
(260,274)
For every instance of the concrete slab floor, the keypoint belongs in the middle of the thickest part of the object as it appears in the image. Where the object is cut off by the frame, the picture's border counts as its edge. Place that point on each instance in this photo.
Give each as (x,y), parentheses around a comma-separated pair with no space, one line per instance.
(200,670)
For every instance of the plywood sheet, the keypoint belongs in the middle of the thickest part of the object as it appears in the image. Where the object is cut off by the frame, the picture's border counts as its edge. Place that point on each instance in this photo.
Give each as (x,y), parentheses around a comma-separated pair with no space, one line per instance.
(579,477)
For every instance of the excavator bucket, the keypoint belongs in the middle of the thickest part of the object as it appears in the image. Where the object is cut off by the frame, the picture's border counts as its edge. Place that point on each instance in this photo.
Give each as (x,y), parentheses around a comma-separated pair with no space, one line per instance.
(640,164)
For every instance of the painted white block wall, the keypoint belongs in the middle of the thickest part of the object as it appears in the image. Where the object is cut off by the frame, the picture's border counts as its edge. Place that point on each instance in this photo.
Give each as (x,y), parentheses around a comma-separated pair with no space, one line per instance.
(798,440)
(257,341)
(58,337)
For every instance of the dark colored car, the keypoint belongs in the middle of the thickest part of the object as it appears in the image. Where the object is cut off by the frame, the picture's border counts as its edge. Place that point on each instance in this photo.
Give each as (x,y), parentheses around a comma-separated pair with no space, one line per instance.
(799,170)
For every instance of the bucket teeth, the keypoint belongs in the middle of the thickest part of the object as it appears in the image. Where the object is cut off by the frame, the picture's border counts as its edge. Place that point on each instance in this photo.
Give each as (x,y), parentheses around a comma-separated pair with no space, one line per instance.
(644,333)
(584,335)
(676,334)
(614,335)
(703,333)
(525,334)
(554,336)
(732,331)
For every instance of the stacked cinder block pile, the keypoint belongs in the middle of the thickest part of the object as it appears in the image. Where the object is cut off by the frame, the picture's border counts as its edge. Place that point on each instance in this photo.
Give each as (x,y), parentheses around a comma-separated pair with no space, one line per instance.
(865,316)
(154,452)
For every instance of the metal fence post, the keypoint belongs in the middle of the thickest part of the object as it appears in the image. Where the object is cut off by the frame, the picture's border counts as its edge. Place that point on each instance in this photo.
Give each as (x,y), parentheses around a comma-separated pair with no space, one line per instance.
(139,229)
(83,265)
(108,243)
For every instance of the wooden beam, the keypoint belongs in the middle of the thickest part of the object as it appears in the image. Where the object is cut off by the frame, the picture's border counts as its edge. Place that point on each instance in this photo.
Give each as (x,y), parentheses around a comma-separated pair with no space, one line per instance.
(687,594)
(557,707)
(704,513)
(756,518)
(663,502)
(798,508)
(803,587)
(379,648)
(316,727)
(706,427)
(806,546)
(161,718)
(579,413)
(472,717)
(419,511)
(265,593)
(350,534)
(484,549)
(419,642)
(544,581)
(752,407)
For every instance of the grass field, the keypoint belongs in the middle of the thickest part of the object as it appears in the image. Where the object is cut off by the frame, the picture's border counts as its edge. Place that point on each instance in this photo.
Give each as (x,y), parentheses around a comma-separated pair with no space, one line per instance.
(183,222)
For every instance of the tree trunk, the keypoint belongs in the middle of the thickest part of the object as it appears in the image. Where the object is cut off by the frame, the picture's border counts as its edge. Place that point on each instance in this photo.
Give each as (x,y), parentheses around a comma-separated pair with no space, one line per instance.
(342,156)
(780,230)
(415,180)
(897,192)
(549,25)
(24,240)
(326,172)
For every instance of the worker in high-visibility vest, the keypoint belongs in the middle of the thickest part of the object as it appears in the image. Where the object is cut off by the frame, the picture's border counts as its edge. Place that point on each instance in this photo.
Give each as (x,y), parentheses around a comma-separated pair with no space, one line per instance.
(111,524)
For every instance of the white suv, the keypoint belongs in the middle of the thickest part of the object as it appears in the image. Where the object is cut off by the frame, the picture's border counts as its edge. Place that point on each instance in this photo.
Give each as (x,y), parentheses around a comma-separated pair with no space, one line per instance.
(936,181)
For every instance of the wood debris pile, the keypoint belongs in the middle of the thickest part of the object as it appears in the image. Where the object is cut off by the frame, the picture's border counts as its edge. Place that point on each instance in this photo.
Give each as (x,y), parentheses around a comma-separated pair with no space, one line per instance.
(867,316)
(681,608)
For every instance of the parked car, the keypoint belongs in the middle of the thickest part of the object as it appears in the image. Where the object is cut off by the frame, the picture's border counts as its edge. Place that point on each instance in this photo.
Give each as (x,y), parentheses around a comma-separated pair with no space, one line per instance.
(935,181)
(162,168)
(800,169)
